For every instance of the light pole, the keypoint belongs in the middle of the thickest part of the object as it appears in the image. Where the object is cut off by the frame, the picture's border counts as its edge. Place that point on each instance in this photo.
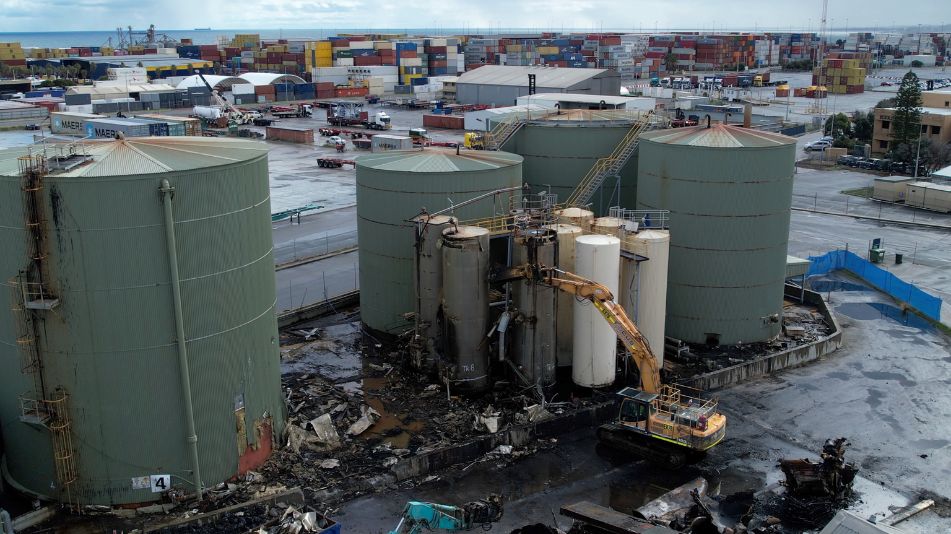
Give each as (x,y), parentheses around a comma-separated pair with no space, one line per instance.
(918,153)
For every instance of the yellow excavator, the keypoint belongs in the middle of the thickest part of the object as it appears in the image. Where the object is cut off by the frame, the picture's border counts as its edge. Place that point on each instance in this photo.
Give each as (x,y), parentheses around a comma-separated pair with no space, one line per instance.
(658,421)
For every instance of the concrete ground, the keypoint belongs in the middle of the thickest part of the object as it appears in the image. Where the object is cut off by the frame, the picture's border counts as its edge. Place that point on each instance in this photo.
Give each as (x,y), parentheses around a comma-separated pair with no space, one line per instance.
(887,391)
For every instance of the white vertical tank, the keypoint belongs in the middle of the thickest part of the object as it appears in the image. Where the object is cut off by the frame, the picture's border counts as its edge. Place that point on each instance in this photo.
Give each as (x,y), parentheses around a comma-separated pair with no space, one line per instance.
(579,217)
(651,296)
(595,344)
(564,340)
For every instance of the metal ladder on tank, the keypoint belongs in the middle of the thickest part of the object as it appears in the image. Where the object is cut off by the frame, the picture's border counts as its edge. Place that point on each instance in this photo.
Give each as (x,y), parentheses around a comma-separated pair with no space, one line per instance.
(610,165)
(32,296)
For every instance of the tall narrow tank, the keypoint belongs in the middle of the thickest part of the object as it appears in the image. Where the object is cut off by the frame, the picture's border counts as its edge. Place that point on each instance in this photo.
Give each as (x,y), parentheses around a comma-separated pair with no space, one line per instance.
(564,338)
(729,191)
(534,335)
(465,306)
(579,217)
(106,332)
(595,344)
(560,150)
(428,281)
(649,308)
(392,188)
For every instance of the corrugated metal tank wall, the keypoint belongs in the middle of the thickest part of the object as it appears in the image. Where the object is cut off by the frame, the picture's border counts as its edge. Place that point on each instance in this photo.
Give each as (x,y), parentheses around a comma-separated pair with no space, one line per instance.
(392,188)
(559,153)
(111,342)
(729,191)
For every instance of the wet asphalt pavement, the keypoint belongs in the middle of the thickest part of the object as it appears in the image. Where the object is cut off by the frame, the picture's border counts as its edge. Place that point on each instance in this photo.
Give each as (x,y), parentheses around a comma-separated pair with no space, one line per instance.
(888,390)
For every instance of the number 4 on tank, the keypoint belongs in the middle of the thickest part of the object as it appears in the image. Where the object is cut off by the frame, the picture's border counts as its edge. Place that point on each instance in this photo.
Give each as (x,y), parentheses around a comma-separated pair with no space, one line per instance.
(160,483)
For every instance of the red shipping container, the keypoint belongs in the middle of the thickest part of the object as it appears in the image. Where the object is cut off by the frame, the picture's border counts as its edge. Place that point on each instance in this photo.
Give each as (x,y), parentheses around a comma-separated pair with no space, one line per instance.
(387,53)
(367,61)
(326,94)
(264,90)
(407,54)
(453,122)
(436,49)
(323,86)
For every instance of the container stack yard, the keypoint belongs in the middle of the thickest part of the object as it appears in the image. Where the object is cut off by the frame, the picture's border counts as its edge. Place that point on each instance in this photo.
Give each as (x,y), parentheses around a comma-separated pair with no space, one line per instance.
(582,282)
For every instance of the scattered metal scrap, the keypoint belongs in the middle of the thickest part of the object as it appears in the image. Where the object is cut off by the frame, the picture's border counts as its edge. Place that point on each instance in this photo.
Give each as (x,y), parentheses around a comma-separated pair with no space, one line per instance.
(830,479)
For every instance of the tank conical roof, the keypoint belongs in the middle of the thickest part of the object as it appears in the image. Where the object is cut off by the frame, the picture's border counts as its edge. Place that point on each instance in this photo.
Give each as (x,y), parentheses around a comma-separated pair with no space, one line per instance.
(438,160)
(141,155)
(718,136)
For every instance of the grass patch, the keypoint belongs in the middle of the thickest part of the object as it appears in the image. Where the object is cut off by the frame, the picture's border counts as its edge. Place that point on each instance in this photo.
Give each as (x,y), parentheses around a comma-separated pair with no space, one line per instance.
(863,192)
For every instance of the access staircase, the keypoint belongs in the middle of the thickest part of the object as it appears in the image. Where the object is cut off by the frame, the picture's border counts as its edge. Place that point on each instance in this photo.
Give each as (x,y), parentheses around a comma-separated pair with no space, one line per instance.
(502,131)
(610,165)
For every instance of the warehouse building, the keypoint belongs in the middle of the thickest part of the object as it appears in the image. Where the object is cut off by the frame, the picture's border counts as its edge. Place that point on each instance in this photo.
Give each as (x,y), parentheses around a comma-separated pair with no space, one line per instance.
(500,85)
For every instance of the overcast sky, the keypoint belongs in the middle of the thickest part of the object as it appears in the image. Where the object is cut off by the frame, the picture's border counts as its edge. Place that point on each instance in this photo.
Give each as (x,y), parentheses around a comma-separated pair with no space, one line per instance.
(479,15)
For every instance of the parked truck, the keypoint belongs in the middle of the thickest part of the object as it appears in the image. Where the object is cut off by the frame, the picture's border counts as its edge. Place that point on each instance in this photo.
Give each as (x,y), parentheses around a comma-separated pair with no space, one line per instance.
(352,114)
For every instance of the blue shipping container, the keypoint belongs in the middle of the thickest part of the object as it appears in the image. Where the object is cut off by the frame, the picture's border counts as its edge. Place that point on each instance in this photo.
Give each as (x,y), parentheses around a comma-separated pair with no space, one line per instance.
(419,81)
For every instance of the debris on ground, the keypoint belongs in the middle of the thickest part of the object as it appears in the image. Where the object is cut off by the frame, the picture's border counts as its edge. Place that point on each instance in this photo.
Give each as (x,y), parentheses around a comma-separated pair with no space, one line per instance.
(831,478)
(802,325)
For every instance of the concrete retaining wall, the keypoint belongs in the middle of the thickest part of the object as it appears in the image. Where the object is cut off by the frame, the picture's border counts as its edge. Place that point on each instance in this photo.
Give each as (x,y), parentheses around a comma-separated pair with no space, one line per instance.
(786,359)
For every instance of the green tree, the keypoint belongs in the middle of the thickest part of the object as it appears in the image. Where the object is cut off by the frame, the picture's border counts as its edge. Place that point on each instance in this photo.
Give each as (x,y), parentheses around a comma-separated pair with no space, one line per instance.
(838,125)
(906,123)
(887,103)
(863,125)
(670,60)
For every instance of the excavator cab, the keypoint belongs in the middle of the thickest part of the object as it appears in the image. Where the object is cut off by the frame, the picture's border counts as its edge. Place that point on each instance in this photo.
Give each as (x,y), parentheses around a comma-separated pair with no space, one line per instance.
(636,407)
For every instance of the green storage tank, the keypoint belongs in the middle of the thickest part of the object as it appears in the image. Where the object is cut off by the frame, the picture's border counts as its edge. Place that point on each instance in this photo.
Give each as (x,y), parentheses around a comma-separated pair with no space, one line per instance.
(561,149)
(89,369)
(392,189)
(729,191)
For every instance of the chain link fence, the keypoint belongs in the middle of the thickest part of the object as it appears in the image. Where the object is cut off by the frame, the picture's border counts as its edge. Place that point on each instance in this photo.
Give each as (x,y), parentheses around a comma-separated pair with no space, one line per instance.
(866,207)
(314,246)
(317,285)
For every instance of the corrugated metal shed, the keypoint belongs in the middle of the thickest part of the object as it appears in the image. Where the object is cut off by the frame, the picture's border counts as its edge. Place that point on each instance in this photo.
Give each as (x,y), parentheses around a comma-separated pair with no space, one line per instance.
(551,77)
(106,90)
(718,136)
(846,522)
(111,344)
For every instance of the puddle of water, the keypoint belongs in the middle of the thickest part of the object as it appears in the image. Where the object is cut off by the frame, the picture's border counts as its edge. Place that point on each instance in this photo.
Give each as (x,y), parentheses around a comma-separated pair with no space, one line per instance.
(393,428)
(888,376)
(868,311)
(825,286)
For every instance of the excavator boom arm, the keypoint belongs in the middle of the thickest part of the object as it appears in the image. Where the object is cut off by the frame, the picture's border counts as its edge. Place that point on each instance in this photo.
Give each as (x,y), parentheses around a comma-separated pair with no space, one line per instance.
(602,299)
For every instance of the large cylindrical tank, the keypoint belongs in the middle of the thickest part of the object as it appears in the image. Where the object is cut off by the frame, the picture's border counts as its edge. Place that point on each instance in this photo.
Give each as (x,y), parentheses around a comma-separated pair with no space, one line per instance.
(392,188)
(579,217)
(646,305)
(729,191)
(428,281)
(109,343)
(534,333)
(595,343)
(561,150)
(465,306)
(564,338)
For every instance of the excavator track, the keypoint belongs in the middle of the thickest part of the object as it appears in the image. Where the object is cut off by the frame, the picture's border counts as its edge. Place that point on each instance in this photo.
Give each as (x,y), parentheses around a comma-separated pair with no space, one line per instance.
(651,449)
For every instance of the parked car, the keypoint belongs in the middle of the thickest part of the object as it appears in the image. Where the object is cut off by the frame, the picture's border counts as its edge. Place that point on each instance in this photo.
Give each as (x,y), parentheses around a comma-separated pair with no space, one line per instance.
(883,164)
(846,160)
(818,146)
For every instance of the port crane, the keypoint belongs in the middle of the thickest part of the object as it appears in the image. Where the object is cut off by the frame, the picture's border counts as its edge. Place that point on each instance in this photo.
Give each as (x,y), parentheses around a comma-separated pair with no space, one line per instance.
(657,421)
(418,516)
